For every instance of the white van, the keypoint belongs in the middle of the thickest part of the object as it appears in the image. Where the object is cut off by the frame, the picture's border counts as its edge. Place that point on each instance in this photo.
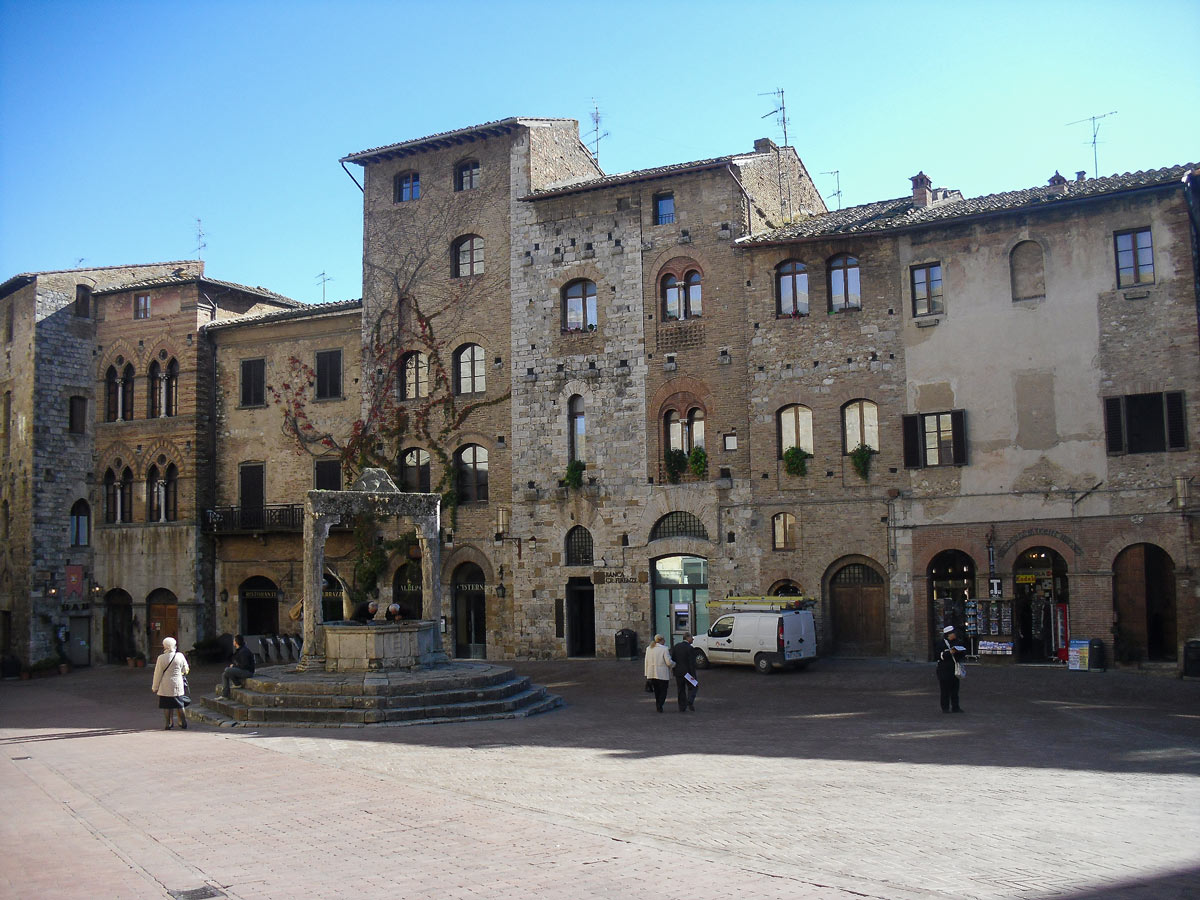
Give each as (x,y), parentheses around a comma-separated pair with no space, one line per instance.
(763,639)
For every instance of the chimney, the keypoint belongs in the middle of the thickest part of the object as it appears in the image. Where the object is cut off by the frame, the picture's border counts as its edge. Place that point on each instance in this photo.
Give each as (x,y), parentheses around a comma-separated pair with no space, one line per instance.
(1058,183)
(765,145)
(1079,176)
(922,193)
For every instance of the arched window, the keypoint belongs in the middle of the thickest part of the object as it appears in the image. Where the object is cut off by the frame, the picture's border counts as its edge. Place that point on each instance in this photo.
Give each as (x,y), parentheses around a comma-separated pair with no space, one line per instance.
(171,396)
(673,430)
(154,391)
(81,523)
(693,305)
(171,494)
(784,534)
(468,370)
(576,429)
(467,256)
(414,471)
(578,547)
(683,431)
(678,524)
(406,186)
(795,429)
(414,376)
(471,465)
(671,298)
(579,306)
(681,295)
(466,175)
(844,292)
(791,288)
(127,378)
(154,495)
(860,425)
(118,496)
(112,395)
(695,428)
(1027,270)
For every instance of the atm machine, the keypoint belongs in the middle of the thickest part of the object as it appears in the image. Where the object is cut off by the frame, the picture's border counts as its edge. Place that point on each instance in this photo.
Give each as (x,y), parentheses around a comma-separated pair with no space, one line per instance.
(683,618)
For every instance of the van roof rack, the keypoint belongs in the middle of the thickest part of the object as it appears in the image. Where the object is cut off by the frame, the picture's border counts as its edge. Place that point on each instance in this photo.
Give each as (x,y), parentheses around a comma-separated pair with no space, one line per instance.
(760,603)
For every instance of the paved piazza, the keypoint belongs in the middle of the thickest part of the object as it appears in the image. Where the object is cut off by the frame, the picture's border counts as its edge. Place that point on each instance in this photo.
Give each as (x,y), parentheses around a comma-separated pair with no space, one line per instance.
(844,781)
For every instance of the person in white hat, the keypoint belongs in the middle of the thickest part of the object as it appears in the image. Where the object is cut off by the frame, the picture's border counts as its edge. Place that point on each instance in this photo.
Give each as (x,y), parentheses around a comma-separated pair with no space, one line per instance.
(947,670)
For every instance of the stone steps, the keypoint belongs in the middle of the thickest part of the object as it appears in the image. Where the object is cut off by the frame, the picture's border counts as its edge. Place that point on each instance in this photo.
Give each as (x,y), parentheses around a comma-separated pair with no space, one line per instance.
(259,697)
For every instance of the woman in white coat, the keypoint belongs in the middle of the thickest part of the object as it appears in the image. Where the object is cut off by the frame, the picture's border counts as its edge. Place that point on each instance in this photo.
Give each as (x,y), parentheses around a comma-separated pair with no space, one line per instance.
(168,682)
(658,669)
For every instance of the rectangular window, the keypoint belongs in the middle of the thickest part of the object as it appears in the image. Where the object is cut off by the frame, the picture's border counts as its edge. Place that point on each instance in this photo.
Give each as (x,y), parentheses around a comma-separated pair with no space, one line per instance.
(1145,423)
(664,209)
(327,475)
(935,439)
(329,375)
(927,290)
(77,415)
(141,306)
(254,382)
(1135,257)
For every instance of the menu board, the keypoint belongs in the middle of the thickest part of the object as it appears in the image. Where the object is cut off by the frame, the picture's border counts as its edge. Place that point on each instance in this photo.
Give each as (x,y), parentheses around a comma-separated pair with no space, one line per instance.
(1078,656)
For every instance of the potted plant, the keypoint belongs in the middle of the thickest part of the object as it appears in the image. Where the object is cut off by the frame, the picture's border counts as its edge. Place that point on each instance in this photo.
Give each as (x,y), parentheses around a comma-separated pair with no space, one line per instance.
(574,476)
(44,667)
(860,458)
(139,659)
(698,462)
(795,461)
(676,462)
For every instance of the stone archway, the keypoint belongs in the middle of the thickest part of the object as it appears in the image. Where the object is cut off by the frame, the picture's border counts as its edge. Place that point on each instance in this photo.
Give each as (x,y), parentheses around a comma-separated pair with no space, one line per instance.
(1144,604)
(858,610)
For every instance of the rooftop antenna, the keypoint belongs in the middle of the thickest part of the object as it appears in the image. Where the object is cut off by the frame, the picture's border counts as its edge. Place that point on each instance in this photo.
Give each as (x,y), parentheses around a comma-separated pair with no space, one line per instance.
(780,111)
(1095,120)
(324,279)
(200,245)
(595,135)
(785,184)
(837,174)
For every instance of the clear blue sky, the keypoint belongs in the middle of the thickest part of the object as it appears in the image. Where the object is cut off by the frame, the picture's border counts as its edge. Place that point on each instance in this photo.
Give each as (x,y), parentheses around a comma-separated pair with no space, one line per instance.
(125,122)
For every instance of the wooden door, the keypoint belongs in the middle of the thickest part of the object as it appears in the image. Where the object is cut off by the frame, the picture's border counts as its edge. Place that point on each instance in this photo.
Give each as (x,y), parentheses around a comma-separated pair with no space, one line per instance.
(857,602)
(163,621)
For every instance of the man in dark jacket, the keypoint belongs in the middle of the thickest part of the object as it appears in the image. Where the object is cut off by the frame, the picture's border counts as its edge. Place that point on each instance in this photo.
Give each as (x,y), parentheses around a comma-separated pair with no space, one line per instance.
(364,611)
(684,655)
(241,668)
(947,679)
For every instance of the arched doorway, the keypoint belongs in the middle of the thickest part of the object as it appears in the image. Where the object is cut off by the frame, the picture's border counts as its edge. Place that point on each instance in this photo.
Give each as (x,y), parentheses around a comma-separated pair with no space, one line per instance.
(951,578)
(406,590)
(1040,598)
(258,599)
(470,613)
(680,596)
(162,619)
(1144,604)
(857,601)
(119,644)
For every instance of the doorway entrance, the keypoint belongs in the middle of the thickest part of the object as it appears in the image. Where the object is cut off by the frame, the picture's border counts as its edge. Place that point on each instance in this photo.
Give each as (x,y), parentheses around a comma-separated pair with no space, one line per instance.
(857,602)
(162,619)
(680,597)
(119,644)
(581,618)
(258,598)
(470,613)
(1040,598)
(406,589)
(951,577)
(1144,604)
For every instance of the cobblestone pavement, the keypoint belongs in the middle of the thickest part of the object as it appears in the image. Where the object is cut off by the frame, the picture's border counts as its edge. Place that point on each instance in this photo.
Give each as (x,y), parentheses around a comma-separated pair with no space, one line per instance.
(842,781)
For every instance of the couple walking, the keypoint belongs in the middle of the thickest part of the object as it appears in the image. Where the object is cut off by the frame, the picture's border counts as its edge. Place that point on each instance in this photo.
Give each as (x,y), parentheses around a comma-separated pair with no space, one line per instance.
(659,663)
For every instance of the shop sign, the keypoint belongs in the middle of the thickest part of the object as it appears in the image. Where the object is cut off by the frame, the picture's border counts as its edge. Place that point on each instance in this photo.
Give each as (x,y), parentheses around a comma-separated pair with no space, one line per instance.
(1077,656)
(995,590)
(259,594)
(613,576)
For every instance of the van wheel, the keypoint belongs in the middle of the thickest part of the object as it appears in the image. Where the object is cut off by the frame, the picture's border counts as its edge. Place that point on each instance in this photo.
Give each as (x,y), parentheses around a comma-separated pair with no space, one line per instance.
(763,664)
(701,659)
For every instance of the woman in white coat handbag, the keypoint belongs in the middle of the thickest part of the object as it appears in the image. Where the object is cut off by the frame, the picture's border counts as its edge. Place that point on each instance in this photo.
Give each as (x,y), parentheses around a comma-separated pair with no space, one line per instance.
(170,684)
(658,669)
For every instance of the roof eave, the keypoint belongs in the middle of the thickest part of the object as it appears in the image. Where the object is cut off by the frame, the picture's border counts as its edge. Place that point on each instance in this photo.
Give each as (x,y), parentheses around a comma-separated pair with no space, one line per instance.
(633,178)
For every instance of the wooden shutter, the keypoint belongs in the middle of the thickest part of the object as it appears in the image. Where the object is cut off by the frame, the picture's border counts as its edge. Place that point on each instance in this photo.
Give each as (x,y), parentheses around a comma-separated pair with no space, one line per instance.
(1176,421)
(912,441)
(958,426)
(1114,425)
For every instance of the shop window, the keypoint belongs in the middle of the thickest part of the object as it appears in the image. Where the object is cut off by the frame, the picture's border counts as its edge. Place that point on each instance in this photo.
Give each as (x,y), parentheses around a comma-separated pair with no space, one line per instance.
(784,533)
(935,439)
(1135,257)
(664,209)
(329,375)
(926,283)
(77,415)
(467,256)
(81,524)
(578,547)
(1027,271)
(860,425)
(469,370)
(414,471)
(794,429)
(406,186)
(844,290)
(579,306)
(466,175)
(577,429)
(414,376)
(791,288)
(254,382)
(471,465)
(1145,423)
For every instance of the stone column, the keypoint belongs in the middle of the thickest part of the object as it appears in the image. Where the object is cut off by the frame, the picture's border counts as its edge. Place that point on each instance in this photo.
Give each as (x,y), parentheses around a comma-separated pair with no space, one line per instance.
(316,531)
(429,534)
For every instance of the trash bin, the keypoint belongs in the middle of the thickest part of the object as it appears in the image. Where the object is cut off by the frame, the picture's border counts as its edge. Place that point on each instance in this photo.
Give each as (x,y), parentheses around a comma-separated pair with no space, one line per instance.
(1096,655)
(1191,659)
(626,641)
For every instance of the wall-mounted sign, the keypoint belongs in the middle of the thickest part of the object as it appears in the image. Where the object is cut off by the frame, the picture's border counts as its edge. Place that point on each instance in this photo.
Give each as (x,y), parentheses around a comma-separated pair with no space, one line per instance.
(613,576)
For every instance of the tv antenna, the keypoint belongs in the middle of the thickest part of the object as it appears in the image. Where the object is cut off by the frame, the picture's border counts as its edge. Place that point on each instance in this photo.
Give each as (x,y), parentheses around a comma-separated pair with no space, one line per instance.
(324,279)
(595,135)
(200,245)
(837,174)
(779,111)
(1095,120)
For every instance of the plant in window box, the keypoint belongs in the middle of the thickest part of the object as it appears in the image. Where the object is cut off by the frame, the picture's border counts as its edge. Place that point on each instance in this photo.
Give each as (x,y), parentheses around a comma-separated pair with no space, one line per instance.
(574,477)
(698,462)
(860,458)
(795,461)
(676,463)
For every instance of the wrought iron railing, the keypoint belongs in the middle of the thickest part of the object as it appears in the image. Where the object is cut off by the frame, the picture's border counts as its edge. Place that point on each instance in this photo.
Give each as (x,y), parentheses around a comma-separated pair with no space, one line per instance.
(275,517)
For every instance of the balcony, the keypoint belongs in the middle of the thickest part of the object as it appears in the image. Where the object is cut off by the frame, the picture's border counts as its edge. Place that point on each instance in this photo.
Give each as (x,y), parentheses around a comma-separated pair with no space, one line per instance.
(250,519)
